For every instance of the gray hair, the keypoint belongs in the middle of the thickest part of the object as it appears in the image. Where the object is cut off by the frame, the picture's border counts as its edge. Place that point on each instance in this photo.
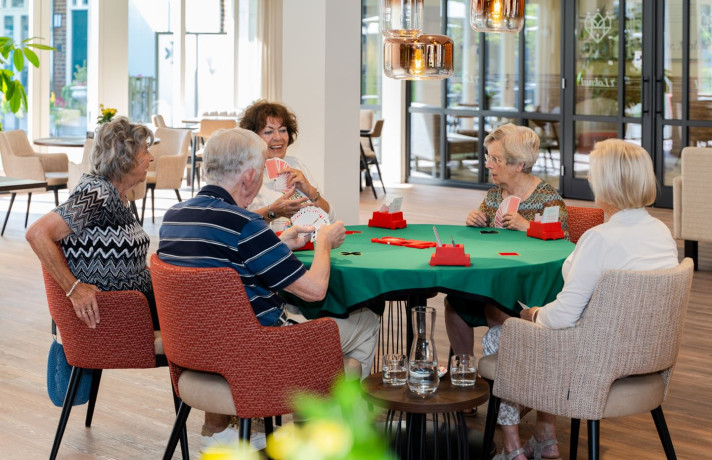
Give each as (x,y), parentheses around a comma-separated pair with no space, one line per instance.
(230,152)
(520,144)
(117,144)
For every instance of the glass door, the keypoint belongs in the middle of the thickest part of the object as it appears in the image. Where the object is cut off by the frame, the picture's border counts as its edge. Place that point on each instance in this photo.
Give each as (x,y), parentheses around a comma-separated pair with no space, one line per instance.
(605,82)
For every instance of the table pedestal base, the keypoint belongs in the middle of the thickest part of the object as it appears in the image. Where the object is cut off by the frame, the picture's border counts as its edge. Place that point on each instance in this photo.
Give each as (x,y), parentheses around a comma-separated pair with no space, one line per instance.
(444,436)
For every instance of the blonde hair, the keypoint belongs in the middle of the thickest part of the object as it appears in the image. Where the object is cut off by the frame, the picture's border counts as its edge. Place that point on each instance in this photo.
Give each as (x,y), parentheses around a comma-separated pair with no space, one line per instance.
(621,174)
(229,152)
(520,144)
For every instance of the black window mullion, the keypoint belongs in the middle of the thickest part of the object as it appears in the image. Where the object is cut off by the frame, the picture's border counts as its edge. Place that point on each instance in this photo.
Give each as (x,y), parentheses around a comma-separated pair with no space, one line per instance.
(621,67)
(685,71)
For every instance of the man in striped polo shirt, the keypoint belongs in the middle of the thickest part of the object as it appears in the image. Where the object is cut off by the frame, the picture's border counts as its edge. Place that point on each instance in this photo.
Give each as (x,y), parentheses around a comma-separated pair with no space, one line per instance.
(215,229)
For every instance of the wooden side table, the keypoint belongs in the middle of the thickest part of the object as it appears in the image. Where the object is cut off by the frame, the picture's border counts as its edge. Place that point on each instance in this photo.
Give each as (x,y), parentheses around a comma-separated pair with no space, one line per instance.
(447,403)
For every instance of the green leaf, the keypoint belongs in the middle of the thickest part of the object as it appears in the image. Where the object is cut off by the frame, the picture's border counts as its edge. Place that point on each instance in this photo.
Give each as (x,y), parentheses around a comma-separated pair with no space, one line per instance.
(32,57)
(19,60)
(41,47)
(15,101)
(21,90)
(10,90)
(30,39)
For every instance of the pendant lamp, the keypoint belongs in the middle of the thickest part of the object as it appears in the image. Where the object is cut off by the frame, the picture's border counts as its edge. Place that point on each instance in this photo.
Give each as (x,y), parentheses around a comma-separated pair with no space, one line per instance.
(427,57)
(497,15)
(401,18)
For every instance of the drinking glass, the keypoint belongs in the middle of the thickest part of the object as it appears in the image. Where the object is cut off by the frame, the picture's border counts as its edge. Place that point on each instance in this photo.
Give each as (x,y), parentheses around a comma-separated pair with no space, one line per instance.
(394,370)
(463,372)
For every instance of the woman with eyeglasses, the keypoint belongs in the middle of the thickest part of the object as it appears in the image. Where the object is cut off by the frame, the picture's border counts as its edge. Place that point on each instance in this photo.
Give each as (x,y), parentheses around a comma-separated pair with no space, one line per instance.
(511,152)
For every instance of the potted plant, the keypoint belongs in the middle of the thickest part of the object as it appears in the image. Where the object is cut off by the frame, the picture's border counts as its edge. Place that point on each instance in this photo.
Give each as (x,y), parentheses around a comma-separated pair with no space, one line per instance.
(12,92)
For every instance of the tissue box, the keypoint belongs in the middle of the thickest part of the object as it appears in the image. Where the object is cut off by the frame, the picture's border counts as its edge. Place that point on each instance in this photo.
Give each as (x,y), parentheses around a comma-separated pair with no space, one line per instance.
(548,231)
(447,254)
(387,220)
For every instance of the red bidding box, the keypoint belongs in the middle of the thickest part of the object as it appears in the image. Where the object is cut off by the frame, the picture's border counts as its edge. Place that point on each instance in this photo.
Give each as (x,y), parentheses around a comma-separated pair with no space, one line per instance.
(387,220)
(447,254)
(548,231)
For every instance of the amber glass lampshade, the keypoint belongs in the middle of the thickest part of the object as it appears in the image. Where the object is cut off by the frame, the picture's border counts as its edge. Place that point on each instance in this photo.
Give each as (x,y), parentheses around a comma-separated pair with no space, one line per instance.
(497,15)
(401,18)
(428,57)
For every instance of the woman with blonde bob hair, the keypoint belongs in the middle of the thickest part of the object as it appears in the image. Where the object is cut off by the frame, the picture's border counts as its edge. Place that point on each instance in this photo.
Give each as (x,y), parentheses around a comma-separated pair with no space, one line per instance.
(623,182)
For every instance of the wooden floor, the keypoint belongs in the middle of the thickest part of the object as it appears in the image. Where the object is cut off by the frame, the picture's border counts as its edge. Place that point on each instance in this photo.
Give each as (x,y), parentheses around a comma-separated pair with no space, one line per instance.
(134,410)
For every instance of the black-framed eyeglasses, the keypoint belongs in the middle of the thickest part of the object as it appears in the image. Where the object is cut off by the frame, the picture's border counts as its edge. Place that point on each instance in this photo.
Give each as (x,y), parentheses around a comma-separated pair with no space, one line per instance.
(346,253)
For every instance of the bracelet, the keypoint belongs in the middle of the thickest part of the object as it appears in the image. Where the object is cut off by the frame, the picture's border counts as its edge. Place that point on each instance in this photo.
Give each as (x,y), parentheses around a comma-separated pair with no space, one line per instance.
(318,195)
(73,287)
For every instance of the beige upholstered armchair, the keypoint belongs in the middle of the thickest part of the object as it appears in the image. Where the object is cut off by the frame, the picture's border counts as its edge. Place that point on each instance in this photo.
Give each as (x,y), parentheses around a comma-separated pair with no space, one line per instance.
(166,170)
(692,208)
(19,160)
(76,170)
(617,361)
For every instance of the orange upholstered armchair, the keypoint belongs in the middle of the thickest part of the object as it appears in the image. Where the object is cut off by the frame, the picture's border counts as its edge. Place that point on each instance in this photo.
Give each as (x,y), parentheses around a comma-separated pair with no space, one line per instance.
(124,339)
(581,219)
(223,361)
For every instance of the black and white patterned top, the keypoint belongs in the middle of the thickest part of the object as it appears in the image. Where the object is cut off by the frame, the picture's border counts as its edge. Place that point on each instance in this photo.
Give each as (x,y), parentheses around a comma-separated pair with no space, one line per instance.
(108,246)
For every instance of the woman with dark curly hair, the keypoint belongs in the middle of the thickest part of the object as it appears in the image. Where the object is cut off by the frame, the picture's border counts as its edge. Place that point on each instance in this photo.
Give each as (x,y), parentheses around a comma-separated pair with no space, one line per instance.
(277,125)
(104,244)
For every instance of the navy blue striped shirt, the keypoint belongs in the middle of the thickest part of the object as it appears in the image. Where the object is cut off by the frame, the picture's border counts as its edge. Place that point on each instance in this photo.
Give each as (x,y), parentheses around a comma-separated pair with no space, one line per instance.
(211,230)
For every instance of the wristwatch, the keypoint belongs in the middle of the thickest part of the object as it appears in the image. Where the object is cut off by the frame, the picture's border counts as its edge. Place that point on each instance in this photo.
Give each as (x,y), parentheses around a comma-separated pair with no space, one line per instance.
(270,214)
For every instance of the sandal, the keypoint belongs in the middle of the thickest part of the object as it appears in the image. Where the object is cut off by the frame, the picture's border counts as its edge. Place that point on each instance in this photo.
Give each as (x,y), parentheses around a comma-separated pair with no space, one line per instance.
(535,447)
(470,412)
(509,455)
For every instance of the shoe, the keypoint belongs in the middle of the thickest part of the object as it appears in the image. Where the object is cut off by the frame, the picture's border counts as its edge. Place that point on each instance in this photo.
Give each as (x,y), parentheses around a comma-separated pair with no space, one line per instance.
(510,455)
(470,412)
(230,437)
(534,448)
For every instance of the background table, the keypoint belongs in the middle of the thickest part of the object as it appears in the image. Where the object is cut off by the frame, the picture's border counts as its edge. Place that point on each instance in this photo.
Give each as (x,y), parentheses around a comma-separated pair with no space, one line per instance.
(383,271)
(13,185)
(62,141)
(448,400)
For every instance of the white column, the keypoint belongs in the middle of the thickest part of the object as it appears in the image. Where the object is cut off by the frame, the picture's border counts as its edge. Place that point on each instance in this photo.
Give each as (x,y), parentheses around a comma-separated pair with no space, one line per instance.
(393,164)
(108,58)
(321,84)
(178,29)
(38,78)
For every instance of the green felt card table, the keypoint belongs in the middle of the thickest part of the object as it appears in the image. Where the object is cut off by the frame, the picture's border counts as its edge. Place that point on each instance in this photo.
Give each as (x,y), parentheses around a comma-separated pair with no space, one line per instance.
(506,266)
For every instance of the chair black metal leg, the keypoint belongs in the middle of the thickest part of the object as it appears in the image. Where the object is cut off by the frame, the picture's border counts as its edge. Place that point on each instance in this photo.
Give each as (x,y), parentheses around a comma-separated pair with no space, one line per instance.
(278,420)
(573,442)
(594,427)
(176,432)
(95,380)
(134,210)
(153,206)
(143,208)
(178,195)
(380,176)
(663,432)
(691,251)
(27,214)
(56,197)
(7,216)
(369,179)
(184,433)
(74,379)
(269,426)
(244,430)
(490,422)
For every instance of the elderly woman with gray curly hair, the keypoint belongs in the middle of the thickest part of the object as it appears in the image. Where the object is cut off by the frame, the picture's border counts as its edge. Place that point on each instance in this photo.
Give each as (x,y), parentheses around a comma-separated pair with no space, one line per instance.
(103,243)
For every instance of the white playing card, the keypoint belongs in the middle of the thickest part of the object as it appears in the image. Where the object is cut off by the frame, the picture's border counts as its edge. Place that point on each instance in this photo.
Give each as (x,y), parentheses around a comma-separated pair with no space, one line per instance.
(311,215)
(551,214)
(396,205)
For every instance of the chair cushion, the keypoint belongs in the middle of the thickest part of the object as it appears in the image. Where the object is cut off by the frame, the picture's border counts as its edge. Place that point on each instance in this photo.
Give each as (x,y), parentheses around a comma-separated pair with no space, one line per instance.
(634,395)
(488,367)
(206,391)
(151,177)
(56,178)
(158,343)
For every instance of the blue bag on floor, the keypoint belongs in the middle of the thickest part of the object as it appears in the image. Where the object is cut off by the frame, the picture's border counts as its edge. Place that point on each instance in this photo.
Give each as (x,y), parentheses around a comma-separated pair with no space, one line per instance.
(58,373)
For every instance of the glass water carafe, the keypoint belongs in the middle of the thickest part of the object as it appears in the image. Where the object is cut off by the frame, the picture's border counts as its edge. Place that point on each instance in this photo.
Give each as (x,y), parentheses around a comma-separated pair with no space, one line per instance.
(423,376)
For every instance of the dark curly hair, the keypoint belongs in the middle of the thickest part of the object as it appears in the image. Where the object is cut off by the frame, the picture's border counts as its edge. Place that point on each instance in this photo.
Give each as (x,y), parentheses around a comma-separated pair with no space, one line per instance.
(255,118)
(116,147)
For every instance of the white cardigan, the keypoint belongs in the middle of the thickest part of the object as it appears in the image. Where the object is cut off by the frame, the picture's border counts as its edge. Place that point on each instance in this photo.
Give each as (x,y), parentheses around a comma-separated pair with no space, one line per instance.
(631,240)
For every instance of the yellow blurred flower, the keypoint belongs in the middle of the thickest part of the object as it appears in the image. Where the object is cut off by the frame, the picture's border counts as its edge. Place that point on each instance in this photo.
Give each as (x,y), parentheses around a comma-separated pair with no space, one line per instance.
(106,114)
(240,451)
